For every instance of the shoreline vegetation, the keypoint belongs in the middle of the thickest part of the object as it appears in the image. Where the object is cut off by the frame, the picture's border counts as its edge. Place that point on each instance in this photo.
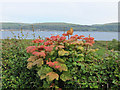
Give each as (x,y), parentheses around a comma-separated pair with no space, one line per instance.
(57,30)
(81,66)
(109,27)
(109,45)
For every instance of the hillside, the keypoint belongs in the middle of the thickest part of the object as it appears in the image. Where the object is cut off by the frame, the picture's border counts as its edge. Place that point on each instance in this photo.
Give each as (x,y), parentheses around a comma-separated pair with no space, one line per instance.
(60,26)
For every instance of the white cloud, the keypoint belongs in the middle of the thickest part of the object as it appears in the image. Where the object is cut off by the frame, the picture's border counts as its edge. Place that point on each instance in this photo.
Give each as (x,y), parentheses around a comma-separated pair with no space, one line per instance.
(80,12)
(59,1)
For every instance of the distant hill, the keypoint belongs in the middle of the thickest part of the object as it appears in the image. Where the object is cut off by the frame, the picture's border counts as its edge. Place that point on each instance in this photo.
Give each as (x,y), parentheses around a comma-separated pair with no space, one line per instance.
(60,26)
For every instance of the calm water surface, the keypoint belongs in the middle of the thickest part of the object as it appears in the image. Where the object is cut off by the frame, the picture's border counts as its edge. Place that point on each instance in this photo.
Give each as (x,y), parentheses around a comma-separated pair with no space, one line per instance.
(106,36)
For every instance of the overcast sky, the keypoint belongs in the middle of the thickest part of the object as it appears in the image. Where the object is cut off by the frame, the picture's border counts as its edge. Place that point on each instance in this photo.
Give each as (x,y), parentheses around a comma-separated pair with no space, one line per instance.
(71,12)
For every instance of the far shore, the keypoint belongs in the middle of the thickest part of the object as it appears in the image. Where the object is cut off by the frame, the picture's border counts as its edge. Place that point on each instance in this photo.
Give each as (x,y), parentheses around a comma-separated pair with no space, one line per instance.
(56,30)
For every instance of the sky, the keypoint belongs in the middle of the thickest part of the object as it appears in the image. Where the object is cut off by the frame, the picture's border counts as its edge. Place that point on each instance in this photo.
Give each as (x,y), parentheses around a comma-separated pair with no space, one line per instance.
(77,12)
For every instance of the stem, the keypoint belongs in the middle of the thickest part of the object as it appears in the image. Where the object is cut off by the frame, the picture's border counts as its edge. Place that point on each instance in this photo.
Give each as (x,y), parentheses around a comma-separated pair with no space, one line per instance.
(85,52)
(106,45)
(68,36)
(60,83)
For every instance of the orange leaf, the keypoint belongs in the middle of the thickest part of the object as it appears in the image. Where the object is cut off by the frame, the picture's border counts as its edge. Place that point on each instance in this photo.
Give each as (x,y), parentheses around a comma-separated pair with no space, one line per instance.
(32,58)
(38,62)
(29,65)
(52,76)
(77,43)
(59,46)
(70,32)
(64,34)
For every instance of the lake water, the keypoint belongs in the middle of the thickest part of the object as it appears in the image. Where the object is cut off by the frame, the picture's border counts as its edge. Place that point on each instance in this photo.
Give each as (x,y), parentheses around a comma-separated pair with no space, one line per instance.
(106,36)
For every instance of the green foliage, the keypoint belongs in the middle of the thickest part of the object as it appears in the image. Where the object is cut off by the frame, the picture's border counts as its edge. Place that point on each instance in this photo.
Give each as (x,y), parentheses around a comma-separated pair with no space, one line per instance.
(97,71)
(80,66)
(66,76)
(43,71)
(14,71)
(61,26)
(114,44)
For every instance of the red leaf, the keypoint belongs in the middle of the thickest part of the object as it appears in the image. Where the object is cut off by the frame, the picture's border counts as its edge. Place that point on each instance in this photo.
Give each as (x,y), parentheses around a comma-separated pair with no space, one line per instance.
(31,49)
(48,43)
(49,48)
(62,38)
(38,41)
(42,54)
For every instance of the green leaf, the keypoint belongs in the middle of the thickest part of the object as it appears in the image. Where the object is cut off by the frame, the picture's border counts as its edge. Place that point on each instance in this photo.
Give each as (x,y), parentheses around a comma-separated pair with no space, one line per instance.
(45,84)
(75,77)
(74,63)
(80,48)
(81,55)
(43,71)
(95,86)
(65,76)
(63,67)
(52,52)
(82,66)
(81,59)
(63,52)
(60,60)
